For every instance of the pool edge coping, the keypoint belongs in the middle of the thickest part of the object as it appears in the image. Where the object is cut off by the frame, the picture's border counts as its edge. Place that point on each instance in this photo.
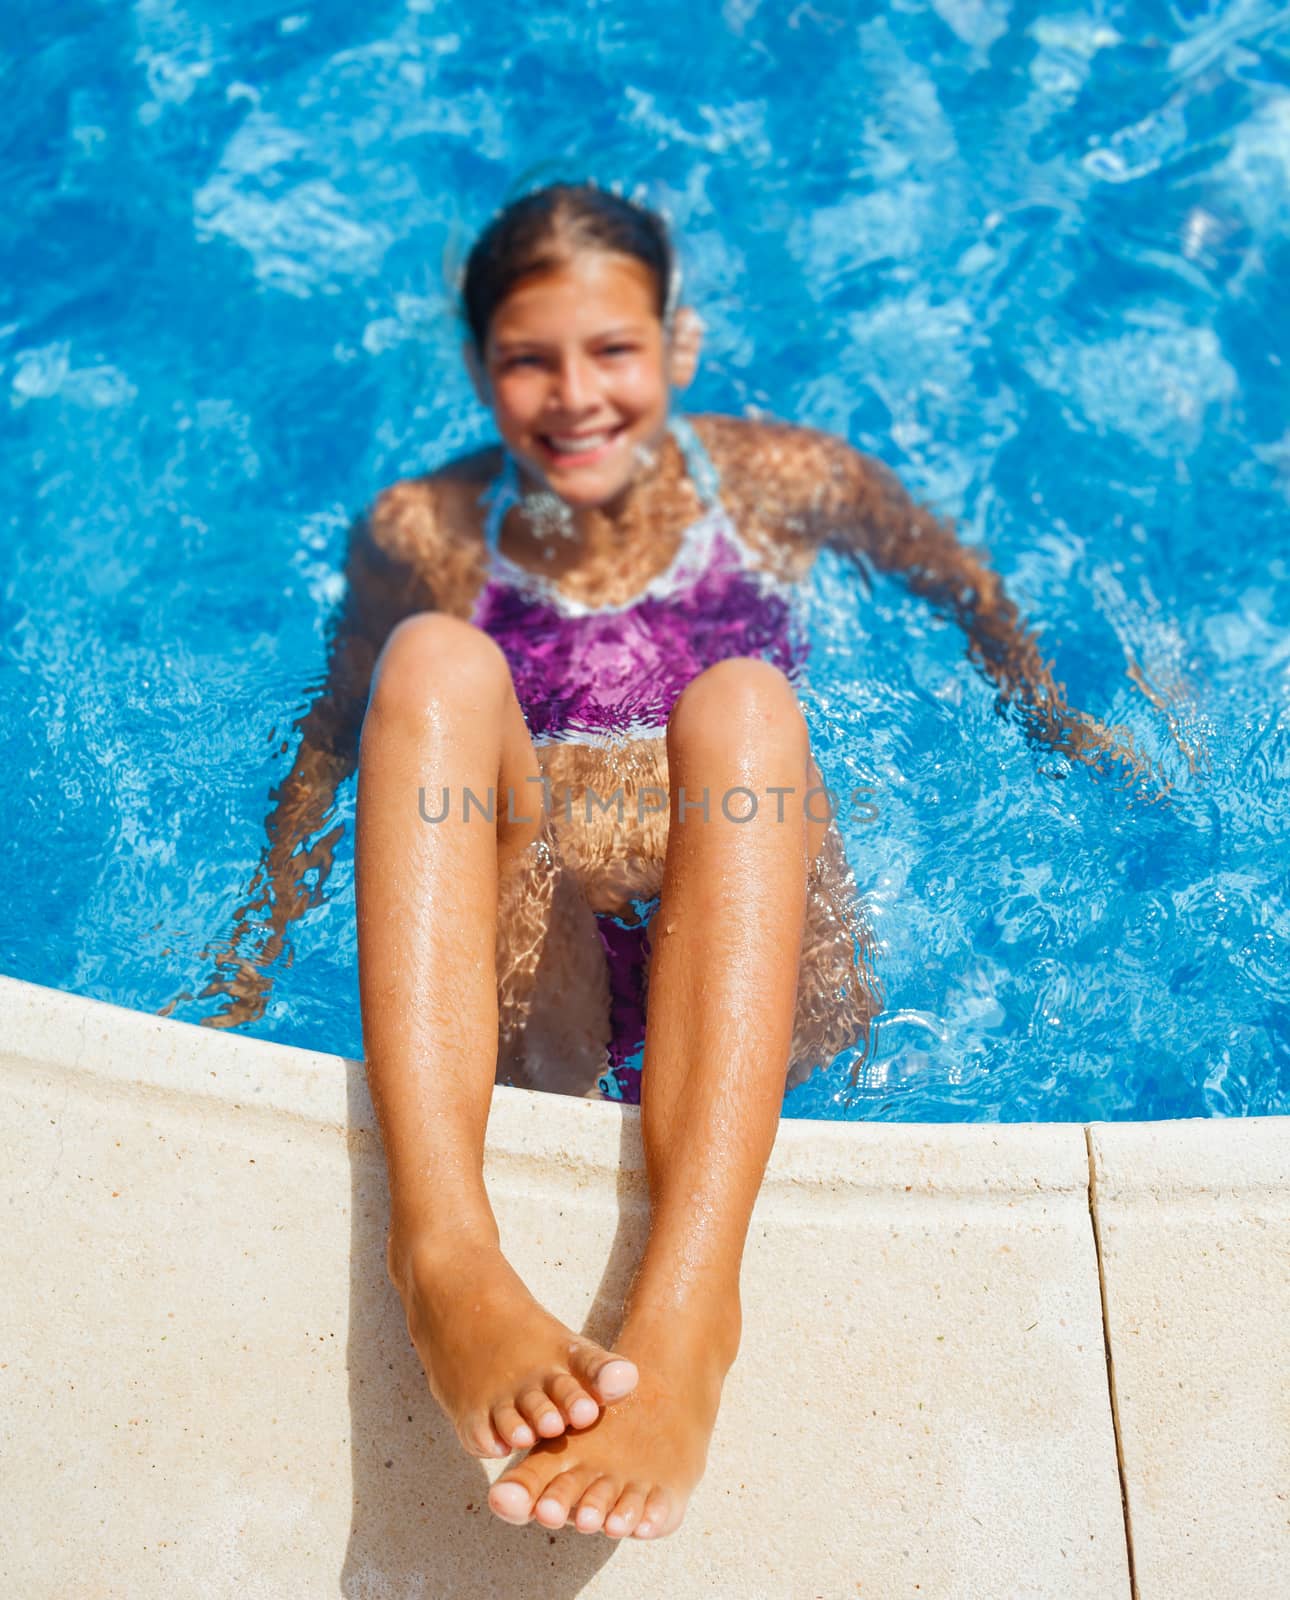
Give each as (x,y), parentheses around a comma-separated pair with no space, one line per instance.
(145,1053)
(1178,1170)
(142,1053)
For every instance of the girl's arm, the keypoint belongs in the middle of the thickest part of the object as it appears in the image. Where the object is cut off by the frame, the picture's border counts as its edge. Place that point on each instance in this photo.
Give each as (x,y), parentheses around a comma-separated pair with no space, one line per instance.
(383,585)
(859,507)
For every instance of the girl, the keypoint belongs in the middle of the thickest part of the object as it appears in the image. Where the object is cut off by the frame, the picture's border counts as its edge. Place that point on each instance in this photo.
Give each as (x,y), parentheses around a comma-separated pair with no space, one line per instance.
(576,654)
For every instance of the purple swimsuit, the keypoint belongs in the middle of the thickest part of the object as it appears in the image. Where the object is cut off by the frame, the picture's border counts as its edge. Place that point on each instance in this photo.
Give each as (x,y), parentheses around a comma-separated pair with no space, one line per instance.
(608,674)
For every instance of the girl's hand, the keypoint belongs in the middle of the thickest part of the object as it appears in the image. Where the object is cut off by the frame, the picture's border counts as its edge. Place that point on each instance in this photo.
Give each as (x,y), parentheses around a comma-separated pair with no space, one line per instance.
(278,894)
(247,987)
(1085,739)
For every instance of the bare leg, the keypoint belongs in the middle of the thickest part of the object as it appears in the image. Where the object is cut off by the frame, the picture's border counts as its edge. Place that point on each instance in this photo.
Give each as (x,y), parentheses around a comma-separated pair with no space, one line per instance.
(443,713)
(720,1024)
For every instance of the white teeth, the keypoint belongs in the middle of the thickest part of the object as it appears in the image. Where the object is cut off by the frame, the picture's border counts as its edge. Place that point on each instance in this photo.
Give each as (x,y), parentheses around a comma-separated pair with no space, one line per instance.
(579,446)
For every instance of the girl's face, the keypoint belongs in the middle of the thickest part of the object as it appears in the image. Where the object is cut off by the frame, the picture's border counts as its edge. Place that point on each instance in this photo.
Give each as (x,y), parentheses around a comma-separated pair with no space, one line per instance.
(578,375)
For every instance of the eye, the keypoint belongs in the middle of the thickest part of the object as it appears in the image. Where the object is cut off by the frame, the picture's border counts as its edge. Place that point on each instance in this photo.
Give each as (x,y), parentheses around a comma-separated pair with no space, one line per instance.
(618,350)
(511,362)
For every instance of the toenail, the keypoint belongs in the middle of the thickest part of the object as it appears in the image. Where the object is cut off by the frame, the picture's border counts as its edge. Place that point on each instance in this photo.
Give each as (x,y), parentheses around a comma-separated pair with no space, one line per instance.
(553,1508)
(507,1513)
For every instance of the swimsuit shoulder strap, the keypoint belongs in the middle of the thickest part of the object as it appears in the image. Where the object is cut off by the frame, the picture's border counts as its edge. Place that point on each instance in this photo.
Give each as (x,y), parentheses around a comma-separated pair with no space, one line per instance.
(698,463)
(707,483)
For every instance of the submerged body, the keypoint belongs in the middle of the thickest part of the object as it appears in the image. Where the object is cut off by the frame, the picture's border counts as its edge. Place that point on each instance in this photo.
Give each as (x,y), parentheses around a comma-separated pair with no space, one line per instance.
(597,667)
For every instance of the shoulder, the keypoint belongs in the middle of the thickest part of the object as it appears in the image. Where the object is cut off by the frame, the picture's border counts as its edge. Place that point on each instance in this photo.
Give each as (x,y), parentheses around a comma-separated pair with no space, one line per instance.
(775,443)
(426,533)
(783,455)
(814,489)
(419,519)
(792,479)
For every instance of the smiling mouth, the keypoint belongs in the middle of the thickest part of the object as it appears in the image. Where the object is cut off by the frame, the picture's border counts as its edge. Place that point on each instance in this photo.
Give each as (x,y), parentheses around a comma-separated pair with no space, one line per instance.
(581,449)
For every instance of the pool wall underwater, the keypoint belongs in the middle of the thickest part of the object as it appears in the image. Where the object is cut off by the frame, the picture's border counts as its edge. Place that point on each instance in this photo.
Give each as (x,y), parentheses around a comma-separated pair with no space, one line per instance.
(978,1361)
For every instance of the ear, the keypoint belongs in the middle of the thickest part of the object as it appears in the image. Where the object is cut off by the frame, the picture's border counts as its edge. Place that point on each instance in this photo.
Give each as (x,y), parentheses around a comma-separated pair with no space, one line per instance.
(478,377)
(684,346)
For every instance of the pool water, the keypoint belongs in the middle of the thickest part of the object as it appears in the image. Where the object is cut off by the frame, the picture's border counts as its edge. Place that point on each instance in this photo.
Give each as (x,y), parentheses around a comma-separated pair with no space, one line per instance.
(1033,258)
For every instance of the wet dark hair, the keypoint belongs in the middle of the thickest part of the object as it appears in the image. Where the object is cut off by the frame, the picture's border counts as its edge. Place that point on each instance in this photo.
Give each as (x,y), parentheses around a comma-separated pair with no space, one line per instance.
(543,229)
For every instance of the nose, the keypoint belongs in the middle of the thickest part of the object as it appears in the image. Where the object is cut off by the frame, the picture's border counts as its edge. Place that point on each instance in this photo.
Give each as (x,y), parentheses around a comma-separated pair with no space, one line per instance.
(575,385)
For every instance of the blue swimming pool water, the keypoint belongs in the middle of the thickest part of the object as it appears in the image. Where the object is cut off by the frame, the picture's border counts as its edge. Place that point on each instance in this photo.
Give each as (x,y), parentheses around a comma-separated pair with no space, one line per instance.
(1033,257)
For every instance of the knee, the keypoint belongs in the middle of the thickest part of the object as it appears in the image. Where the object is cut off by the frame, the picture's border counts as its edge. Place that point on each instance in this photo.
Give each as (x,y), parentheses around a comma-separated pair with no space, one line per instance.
(744,699)
(431,659)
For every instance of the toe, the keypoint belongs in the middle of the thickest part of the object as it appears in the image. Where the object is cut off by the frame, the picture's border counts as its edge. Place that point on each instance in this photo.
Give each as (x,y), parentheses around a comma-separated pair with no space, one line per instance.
(595,1505)
(579,1409)
(510,1426)
(540,1412)
(559,1497)
(520,1487)
(608,1377)
(626,1513)
(510,1501)
(477,1436)
(654,1519)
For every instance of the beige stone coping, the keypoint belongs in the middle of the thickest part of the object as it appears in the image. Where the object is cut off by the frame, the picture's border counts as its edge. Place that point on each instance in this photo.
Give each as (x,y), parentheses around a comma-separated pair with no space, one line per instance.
(210,1391)
(1194,1224)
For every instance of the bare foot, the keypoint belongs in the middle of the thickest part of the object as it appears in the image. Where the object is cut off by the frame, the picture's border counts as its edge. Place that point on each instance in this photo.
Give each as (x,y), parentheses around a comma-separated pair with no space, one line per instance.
(632,1472)
(505,1371)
